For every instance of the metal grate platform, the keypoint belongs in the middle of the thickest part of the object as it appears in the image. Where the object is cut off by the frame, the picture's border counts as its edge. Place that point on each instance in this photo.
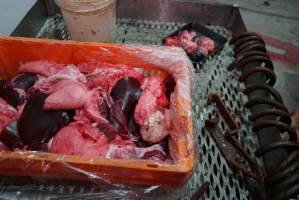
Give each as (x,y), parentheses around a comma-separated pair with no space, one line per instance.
(211,76)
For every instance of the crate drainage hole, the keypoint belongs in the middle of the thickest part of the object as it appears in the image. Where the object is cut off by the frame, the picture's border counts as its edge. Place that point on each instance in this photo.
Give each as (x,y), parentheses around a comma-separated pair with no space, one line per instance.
(152,165)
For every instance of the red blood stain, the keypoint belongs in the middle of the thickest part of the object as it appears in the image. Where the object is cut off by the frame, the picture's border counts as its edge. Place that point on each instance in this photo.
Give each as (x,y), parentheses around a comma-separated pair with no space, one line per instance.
(291,55)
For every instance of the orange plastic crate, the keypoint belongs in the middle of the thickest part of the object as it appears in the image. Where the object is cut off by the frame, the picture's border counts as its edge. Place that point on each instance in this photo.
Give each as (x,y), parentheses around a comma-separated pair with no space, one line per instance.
(153,59)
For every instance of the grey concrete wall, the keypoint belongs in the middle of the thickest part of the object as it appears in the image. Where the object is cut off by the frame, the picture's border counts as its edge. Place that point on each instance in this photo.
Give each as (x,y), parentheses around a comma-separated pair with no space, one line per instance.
(11,13)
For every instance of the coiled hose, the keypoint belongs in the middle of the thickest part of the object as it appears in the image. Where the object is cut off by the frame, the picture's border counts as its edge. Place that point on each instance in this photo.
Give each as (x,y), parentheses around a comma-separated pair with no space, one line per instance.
(249,49)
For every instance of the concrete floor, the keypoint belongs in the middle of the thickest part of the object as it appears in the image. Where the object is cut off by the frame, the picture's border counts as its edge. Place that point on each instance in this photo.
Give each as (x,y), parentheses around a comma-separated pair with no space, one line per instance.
(278,22)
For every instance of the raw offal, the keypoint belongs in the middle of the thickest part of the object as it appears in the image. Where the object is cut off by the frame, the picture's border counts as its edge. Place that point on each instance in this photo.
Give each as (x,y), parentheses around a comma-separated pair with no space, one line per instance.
(107,75)
(23,81)
(150,112)
(80,143)
(10,136)
(3,147)
(152,99)
(154,153)
(195,45)
(36,126)
(169,86)
(7,114)
(86,141)
(41,67)
(13,96)
(89,141)
(126,93)
(67,95)
(8,129)
(157,127)
(94,109)
(69,72)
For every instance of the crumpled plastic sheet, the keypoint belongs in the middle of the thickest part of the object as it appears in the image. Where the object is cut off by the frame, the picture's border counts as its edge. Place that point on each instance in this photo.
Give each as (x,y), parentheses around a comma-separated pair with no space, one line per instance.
(170,59)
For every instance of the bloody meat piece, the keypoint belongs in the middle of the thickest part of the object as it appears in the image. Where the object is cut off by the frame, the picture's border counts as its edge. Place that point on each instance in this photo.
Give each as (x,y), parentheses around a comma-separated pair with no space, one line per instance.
(116,115)
(96,107)
(3,147)
(156,129)
(133,127)
(71,141)
(172,41)
(184,39)
(7,114)
(68,95)
(150,113)
(169,86)
(108,80)
(196,46)
(8,131)
(83,140)
(36,126)
(152,98)
(23,81)
(69,72)
(118,122)
(14,96)
(41,67)
(107,77)
(206,43)
(199,54)
(189,46)
(10,137)
(187,43)
(112,130)
(14,90)
(154,153)
(127,92)
(2,87)
(187,35)
(103,124)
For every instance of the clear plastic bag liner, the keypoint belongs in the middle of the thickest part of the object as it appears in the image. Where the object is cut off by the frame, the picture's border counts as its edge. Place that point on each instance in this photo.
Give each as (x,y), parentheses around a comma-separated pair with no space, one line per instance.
(111,178)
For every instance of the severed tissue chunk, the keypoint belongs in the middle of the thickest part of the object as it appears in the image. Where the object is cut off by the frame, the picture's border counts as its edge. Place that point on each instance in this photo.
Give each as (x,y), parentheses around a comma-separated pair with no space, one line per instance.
(67,95)
(7,114)
(83,140)
(107,75)
(150,112)
(41,67)
(153,153)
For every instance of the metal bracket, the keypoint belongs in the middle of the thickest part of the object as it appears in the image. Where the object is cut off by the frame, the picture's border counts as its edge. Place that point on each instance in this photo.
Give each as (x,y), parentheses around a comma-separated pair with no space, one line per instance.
(228,144)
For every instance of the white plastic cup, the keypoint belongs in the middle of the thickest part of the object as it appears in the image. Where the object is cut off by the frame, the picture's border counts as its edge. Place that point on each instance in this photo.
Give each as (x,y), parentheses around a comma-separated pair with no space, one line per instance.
(89,20)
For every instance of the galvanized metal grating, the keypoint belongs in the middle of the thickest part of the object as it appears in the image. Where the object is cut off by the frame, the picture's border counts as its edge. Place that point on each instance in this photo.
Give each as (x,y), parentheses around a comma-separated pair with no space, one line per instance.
(211,77)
